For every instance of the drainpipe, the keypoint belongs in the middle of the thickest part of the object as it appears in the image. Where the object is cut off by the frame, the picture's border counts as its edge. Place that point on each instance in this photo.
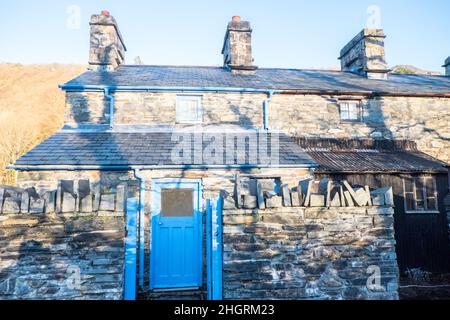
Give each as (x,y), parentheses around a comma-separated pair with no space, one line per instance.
(140,177)
(266,107)
(111,106)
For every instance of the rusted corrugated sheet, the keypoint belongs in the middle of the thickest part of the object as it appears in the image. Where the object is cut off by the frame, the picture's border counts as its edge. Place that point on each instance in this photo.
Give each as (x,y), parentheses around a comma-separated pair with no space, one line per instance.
(369,155)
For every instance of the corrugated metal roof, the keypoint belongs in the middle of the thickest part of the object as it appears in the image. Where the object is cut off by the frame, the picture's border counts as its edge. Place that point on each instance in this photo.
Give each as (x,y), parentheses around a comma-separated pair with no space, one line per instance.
(264,78)
(368,155)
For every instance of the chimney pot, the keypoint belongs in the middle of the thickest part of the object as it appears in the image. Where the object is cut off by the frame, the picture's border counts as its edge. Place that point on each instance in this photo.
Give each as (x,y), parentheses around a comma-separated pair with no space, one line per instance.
(105,13)
(236,19)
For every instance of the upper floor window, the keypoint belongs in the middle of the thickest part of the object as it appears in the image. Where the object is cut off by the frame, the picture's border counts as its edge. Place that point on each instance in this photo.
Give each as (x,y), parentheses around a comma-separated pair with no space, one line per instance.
(420,194)
(350,110)
(189,109)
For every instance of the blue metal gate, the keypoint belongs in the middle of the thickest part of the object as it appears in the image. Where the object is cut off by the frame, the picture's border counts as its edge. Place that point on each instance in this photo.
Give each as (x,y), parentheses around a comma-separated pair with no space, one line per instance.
(214,248)
(130,249)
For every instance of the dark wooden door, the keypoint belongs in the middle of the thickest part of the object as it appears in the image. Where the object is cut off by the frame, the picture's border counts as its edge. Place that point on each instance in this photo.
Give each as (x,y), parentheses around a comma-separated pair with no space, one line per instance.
(422,238)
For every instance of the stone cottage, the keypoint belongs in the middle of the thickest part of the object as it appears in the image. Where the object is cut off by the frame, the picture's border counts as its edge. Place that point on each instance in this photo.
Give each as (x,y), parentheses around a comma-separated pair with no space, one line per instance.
(175,136)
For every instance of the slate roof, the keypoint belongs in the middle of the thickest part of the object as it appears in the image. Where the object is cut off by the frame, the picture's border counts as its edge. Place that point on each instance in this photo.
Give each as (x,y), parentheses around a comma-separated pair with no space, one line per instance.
(150,148)
(369,156)
(264,78)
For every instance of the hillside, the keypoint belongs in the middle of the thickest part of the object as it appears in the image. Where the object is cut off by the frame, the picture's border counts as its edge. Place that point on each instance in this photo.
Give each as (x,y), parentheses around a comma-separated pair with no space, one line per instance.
(408,69)
(31,108)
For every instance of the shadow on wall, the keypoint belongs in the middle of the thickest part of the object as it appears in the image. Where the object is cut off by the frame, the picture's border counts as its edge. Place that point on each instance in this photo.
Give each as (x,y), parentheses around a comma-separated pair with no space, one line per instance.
(60,257)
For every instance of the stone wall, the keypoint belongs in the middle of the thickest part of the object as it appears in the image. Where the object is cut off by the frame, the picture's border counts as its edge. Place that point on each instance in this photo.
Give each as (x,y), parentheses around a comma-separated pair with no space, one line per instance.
(61,244)
(309,253)
(50,256)
(308,240)
(159,108)
(424,120)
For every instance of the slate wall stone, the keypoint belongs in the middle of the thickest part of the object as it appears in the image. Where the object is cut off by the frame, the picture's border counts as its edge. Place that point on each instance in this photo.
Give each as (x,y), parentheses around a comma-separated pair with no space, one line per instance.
(61,256)
(309,253)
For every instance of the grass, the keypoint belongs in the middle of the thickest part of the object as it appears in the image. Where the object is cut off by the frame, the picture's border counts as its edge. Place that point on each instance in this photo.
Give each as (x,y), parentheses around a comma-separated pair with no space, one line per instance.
(31,108)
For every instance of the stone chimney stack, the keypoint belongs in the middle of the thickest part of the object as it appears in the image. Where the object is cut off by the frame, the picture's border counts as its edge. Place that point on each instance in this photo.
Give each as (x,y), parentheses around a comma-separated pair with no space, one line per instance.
(447,67)
(237,47)
(364,55)
(107,49)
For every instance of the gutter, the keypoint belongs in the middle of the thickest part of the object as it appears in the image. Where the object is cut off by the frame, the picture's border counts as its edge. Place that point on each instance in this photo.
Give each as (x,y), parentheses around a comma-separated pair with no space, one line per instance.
(141,233)
(265,109)
(154,167)
(78,88)
(111,106)
(69,87)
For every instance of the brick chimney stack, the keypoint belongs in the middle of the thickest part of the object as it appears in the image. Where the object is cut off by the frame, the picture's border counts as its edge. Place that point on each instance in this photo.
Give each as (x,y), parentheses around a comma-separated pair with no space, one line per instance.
(447,67)
(364,55)
(107,49)
(237,47)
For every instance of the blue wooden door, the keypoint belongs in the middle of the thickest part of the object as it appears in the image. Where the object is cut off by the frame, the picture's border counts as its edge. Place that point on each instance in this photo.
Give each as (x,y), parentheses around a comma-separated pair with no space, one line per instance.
(176,234)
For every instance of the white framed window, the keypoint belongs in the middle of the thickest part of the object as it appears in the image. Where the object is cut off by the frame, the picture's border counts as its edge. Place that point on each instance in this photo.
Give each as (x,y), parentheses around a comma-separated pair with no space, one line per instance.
(189,109)
(420,195)
(350,110)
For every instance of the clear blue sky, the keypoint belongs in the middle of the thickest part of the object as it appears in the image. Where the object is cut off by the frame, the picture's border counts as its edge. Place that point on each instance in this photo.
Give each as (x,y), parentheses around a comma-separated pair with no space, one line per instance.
(286,33)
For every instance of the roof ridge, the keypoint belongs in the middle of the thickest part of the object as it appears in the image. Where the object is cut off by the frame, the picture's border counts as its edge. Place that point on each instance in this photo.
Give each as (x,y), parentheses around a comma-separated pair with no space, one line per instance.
(221,67)
(276,68)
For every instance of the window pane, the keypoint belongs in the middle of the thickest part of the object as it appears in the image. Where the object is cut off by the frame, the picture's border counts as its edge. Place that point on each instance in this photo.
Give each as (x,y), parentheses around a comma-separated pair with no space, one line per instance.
(177,202)
(431,203)
(349,110)
(419,194)
(409,184)
(353,111)
(344,111)
(189,109)
(409,201)
(430,193)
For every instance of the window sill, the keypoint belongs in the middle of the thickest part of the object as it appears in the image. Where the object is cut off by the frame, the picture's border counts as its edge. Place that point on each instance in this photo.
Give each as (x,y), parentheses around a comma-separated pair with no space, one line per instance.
(422,211)
(351,121)
(189,122)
